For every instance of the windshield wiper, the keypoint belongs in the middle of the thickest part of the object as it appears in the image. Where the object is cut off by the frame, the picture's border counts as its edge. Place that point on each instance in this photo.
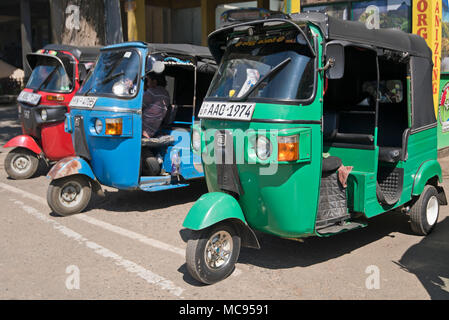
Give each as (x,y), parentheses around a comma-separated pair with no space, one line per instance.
(270,74)
(112,77)
(46,79)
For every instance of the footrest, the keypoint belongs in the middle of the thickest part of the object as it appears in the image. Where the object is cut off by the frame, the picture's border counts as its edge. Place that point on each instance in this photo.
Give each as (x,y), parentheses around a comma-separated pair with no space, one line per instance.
(336,228)
(157,142)
(389,185)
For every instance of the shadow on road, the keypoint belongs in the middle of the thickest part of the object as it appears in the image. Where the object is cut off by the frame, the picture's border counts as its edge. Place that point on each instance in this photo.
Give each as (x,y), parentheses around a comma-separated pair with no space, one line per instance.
(278,253)
(128,201)
(429,261)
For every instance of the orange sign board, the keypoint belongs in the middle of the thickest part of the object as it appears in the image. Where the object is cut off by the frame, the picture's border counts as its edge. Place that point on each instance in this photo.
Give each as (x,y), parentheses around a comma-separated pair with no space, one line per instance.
(427,23)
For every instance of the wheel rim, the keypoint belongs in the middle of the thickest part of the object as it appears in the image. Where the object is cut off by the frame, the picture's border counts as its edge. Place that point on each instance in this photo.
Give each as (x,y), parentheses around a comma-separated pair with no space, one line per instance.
(21,163)
(218,250)
(71,194)
(432,210)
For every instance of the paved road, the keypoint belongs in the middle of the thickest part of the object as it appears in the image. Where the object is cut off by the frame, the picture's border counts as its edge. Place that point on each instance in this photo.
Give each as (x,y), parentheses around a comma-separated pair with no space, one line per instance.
(130,245)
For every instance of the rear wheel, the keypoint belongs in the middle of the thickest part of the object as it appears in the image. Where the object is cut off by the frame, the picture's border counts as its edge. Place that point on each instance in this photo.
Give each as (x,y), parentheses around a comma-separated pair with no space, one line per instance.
(21,163)
(212,253)
(69,195)
(424,212)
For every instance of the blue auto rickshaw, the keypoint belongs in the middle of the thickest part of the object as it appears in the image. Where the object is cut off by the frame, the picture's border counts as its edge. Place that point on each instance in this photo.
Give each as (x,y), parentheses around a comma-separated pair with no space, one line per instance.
(105,122)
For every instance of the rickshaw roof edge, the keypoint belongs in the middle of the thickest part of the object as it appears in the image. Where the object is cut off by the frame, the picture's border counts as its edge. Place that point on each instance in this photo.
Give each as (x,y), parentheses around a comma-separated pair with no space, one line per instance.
(175,48)
(354,31)
(81,53)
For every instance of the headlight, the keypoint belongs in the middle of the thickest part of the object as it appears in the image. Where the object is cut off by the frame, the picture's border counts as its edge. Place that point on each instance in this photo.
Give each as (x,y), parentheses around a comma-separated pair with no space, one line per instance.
(196,140)
(263,148)
(98,126)
(44,114)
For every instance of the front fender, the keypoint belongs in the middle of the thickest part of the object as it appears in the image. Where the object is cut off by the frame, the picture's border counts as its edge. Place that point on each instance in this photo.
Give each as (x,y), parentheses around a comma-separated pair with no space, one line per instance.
(24,141)
(427,171)
(212,208)
(215,207)
(70,166)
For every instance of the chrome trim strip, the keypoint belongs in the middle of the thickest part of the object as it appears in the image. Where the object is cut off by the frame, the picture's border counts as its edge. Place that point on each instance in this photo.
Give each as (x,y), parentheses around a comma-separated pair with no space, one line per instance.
(110,109)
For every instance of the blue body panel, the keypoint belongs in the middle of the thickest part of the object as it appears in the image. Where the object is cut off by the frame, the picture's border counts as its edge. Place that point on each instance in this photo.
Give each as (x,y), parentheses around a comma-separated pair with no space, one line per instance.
(115,160)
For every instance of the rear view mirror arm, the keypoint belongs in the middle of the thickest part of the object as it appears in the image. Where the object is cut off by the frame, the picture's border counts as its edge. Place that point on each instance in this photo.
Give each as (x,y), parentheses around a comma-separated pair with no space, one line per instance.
(329,64)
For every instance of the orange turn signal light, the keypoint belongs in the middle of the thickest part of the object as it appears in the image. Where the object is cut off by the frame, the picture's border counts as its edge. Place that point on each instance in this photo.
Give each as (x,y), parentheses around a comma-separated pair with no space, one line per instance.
(288,148)
(114,127)
(55,98)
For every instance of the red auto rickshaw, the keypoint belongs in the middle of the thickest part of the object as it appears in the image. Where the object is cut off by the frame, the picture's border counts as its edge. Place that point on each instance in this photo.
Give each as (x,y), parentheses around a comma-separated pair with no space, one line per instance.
(58,71)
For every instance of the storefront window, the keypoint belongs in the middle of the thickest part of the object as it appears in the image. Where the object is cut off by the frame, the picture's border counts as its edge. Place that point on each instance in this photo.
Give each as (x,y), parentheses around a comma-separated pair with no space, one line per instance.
(339,10)
(383,14)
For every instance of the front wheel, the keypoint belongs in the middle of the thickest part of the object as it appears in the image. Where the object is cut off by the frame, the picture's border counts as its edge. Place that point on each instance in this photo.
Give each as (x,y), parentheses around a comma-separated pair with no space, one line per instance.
(69,195)
(212,253)
(21,163)
(424,212)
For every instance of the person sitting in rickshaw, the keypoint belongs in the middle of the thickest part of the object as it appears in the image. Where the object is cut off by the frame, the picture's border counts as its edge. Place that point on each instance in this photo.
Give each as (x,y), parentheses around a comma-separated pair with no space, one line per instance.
(156,100)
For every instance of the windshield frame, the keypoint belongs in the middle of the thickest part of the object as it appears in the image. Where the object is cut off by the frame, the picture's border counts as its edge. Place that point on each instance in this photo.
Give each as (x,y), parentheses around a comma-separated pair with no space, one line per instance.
(304,102)
(111,95)
(74,78)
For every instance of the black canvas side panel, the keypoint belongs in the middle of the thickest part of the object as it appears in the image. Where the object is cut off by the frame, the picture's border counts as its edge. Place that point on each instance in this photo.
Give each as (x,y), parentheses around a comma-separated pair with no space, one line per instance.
(423,114)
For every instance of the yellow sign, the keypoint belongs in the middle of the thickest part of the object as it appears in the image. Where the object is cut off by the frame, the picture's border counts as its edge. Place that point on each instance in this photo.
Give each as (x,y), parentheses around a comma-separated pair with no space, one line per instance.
(427,16)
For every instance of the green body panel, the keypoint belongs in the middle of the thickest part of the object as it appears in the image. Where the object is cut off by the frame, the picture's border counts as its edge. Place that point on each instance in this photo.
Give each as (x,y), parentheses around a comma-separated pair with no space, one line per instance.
(212,208)
(293,188)
(281,198)
(284,203)
(427,171)
(361,189)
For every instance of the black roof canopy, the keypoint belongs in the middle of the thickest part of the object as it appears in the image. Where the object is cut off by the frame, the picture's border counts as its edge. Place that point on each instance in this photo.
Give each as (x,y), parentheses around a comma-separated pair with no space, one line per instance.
(182,49)
(355,31)
(83,54)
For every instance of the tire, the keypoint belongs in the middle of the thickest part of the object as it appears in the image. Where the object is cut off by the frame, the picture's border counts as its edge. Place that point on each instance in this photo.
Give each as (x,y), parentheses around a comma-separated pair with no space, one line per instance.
(21,163)
(425,211)
(151,165)
(205,267)
(69,195)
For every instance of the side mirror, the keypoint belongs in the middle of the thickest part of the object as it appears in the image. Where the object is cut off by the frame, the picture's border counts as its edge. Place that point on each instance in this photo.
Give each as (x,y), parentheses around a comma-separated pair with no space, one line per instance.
(335,60)
(158,67)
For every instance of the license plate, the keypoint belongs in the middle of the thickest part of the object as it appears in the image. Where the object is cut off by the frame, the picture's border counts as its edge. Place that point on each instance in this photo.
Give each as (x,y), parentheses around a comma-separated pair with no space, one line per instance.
(227,110)
(29,97)
(83,102)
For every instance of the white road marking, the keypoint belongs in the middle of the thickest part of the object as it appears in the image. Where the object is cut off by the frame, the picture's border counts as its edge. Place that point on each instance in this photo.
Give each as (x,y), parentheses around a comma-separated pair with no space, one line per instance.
(110,227)
(130,266)
(131,234)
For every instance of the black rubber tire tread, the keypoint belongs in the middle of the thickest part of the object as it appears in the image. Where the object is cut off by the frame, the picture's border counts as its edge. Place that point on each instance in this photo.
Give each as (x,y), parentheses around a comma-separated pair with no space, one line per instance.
(195,254)
(32,169)
(418,219)
(54,190)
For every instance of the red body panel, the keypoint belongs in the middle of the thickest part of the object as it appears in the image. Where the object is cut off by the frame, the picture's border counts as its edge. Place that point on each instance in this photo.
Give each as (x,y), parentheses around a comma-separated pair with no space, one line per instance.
(24,141)
(56,144)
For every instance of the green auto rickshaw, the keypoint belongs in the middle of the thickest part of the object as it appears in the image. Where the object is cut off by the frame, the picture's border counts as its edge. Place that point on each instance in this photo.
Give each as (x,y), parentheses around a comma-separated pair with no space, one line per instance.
(311,126)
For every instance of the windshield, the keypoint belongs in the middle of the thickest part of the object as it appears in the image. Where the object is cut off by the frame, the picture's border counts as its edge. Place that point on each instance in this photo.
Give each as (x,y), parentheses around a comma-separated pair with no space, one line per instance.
(116,73)
(279,68)
(49,75)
